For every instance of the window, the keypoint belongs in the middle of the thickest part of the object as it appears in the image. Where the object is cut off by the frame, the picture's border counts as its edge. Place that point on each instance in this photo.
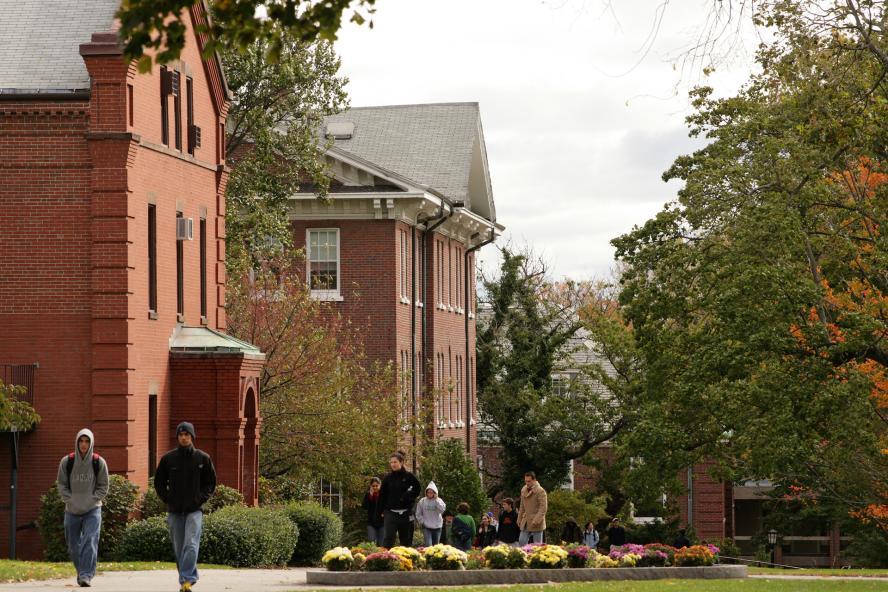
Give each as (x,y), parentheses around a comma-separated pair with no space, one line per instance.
(440,387)
(220,143)
(152,259)
(180,274)
(459,299)
(177,108)
(405,387)
(129,103)
(323,262)
(440,245)
(450,277)
(152,434)
(458,391)
(203,268)
(403,279)
(164,107)
(327,494)
(189,115)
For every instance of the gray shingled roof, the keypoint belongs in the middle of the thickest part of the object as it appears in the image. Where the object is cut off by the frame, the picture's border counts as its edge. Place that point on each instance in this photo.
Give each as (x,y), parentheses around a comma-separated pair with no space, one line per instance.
(40,42)
(429,144)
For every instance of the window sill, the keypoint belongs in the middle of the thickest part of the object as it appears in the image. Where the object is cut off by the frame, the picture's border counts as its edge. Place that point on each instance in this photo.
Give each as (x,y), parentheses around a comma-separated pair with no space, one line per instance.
(404,300)
(419,305)
(327,296)
(152,314)
(471,315)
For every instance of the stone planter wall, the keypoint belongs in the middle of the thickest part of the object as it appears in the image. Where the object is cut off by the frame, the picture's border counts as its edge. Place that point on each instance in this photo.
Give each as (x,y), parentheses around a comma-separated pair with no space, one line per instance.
(518,576)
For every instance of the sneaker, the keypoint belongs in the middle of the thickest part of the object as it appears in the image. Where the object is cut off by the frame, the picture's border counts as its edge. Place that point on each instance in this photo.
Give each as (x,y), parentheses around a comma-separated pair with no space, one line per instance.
(186,587)
(84,583)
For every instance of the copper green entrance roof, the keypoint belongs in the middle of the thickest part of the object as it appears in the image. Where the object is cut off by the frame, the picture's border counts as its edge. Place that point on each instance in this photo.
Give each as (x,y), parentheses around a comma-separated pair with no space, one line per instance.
(203,340)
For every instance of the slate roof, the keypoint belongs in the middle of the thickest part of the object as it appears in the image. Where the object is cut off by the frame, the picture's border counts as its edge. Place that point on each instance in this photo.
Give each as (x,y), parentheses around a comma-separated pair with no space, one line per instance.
(430,144)
(40,42)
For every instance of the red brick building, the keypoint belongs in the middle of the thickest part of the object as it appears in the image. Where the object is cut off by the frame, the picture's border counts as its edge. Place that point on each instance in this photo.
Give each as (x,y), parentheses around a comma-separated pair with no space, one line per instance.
(112,249)
(395,246)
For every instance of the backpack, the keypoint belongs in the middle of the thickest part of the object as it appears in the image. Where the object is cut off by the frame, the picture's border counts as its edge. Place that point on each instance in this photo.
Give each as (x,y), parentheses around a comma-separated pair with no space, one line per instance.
(462,532)
(69,466)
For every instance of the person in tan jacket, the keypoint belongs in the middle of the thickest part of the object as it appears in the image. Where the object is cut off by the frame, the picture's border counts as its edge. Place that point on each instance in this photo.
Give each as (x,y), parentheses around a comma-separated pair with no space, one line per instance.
(532,513)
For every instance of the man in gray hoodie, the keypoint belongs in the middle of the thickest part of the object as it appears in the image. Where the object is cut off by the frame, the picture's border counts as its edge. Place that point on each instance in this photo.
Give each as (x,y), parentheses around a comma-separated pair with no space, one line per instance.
(83,484)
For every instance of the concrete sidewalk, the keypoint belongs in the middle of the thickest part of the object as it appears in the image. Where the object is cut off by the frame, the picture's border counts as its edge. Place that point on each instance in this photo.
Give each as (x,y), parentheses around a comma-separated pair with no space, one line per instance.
(211,580)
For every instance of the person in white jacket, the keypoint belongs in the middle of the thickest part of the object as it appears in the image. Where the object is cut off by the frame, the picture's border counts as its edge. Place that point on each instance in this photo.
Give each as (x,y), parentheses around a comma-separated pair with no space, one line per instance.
(428,515)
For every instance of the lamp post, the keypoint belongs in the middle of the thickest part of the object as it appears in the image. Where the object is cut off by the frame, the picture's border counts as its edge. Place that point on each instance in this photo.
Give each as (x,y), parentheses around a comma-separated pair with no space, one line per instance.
(772,543)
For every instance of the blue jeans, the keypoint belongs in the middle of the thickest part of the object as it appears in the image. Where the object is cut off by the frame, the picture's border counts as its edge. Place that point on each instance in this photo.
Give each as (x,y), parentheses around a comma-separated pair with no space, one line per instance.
(431,536)
(185,533)
(82,535)
(530,536)
(375,534)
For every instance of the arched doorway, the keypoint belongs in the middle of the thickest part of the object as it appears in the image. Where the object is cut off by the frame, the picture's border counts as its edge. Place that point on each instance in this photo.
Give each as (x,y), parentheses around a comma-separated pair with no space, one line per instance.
(250,466)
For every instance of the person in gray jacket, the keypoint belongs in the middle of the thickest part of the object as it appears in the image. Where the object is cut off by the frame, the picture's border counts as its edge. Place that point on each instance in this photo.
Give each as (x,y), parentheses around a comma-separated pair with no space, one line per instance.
(83,484)
(428,515)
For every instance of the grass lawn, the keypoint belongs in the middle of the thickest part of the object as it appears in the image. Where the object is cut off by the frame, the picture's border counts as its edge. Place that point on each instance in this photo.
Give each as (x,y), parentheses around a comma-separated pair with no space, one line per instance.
(23,571)
(873,573)
(756,585)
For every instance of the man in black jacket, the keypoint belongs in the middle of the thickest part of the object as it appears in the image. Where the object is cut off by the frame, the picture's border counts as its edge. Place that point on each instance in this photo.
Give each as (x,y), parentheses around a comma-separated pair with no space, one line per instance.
(399,491)
(508,531)
(185,479)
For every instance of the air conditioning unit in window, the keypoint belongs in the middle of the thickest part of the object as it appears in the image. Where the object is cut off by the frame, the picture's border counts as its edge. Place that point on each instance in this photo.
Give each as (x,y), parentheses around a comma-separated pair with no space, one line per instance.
(194,137)
(184,229)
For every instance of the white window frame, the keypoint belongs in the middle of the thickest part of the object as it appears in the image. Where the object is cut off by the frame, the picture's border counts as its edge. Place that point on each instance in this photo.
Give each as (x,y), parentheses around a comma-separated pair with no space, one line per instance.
(403,267)
(334,295)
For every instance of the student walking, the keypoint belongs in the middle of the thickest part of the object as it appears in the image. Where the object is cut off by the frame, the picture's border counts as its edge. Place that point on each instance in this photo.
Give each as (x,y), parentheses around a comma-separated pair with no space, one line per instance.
(532,513)
(397,494)
(82,482)
(571,532)
(429,515)
(590,535)
(464,528)
(375,514)
(508,531)
(185,479)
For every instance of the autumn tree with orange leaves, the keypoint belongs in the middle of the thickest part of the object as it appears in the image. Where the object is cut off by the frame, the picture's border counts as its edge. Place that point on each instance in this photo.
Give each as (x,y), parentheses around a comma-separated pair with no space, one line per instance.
(758,300)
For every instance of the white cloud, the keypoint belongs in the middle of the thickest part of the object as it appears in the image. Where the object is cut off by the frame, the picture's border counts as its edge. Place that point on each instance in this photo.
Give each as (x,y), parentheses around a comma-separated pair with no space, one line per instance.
(576,150)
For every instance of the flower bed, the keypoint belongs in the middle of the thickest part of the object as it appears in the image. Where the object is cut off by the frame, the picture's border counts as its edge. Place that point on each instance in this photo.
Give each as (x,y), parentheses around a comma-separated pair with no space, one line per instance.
(369,557)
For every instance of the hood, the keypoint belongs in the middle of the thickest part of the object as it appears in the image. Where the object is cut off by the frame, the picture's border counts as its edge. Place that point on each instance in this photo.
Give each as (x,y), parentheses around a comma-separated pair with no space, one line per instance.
(432,486)
(92,442)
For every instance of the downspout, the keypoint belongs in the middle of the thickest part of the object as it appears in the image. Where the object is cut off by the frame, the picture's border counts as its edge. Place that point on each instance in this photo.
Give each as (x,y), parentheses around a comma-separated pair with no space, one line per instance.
(468,360)
(690,497)
(439,218)
(413,375)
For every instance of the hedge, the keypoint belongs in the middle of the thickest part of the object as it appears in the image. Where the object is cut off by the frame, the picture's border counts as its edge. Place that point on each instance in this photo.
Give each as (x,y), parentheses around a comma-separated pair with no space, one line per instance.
(116,509)
(146,540)
(319,530)
(248,537)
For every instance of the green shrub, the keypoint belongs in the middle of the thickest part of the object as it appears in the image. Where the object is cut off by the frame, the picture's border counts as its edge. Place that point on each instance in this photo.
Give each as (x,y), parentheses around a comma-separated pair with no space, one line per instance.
(223,497)
(869,548)
(151,504)
(319,530)
(282,490)
(146,540)
(564,504)
(117,507)
(50,523)
(248,537)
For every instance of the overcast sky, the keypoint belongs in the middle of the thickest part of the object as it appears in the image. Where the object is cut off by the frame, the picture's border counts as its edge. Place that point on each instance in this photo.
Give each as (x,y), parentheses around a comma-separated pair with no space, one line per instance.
(580,120)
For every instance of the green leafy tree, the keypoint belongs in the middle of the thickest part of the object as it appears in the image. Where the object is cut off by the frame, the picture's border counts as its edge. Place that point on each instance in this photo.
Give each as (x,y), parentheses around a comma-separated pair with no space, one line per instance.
(528,331)
(455,475)
(15,415)
(273,142)
(327,410)
(158,27)
(757,300)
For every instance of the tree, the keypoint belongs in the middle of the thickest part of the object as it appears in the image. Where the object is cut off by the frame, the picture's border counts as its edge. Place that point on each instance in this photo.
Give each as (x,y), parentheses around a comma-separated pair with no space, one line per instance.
(529,333)
(757,299)
(272,140)
(326,410)
(454,474)
(158,25)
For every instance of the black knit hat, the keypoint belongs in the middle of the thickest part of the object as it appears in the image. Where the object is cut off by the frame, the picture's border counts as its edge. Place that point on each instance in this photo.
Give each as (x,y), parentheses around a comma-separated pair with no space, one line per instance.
(185,427)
